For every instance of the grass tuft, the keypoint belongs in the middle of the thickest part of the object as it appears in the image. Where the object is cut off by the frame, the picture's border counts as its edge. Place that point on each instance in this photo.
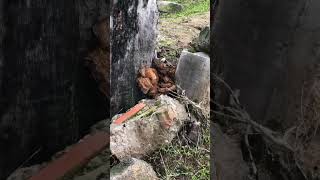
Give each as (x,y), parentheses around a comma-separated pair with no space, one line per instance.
(178,161)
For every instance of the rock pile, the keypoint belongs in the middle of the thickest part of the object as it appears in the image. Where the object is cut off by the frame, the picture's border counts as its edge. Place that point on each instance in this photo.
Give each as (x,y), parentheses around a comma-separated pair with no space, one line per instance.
(156,123)
(139,136)
(163,117)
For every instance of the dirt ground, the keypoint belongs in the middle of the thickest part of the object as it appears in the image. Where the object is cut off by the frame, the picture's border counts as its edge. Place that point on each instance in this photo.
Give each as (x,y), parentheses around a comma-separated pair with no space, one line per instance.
(179,160)
(176,34)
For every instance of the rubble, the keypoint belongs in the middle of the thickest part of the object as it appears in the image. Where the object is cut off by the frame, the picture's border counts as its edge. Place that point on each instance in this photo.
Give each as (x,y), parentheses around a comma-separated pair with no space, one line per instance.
(154,126)
(133,169)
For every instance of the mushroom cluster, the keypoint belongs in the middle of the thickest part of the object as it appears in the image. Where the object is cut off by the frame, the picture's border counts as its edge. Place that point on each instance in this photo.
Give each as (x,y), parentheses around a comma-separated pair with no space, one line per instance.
(157,80)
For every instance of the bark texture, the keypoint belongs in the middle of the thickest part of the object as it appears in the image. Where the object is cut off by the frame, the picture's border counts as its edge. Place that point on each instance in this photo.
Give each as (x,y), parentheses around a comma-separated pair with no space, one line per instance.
(47,97)
(264,49)
(133,44)
(269,50)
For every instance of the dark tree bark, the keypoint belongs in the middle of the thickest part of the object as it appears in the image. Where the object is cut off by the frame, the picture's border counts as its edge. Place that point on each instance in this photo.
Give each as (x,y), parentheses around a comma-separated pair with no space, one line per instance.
(254,41)
(268,50)
(133,45)
(47,98)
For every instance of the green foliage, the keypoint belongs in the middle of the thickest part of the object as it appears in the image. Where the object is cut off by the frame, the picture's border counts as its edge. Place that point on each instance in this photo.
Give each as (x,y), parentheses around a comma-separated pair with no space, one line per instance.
(191,7)
(177,161)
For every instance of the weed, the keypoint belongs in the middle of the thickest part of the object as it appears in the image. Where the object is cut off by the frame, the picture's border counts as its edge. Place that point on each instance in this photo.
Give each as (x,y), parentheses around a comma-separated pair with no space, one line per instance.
(184,161)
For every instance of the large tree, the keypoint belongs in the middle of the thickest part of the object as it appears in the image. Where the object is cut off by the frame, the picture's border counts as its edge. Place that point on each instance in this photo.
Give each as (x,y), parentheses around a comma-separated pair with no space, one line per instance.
(47,96)
(133,45)
(269,50)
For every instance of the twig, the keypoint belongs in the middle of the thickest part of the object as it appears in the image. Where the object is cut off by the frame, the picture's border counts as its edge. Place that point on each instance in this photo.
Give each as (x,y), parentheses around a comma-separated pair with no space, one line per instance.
(185,100)
(240,114)
(245,118)
(234,97)
(253,165)
(300,168)
(164,164)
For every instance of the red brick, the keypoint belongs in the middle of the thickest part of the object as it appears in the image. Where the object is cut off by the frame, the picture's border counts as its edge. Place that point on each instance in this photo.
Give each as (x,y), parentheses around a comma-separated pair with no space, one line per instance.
(134,110)
(75,157)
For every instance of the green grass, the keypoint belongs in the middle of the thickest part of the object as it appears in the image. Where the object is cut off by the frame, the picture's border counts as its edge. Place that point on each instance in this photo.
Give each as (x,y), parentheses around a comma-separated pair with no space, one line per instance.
(174,161)
(191,7)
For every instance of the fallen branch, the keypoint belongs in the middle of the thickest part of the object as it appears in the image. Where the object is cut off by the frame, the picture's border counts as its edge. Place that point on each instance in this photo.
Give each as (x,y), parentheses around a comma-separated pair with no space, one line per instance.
(259,128)
(199,110)
(238,113)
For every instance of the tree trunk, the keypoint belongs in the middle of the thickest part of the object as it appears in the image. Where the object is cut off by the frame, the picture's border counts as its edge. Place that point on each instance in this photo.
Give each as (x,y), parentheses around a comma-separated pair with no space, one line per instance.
(133,45)
(47,98)
(269,50)
(266,48)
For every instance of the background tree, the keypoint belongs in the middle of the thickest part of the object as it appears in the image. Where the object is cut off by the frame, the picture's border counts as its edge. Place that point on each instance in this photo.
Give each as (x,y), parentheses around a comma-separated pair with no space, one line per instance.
(47,97)
(269,50)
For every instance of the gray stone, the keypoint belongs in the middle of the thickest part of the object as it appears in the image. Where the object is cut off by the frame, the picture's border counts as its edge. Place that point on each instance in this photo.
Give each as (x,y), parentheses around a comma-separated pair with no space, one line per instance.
(204,39)
(203,54)
(202,42)
(169,7)
(193,75)
(139,136)
(133,169)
